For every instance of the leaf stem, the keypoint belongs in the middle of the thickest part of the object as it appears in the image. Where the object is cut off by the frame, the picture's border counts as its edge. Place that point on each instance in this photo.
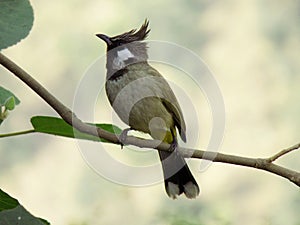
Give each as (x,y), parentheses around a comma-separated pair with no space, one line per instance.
(17,133)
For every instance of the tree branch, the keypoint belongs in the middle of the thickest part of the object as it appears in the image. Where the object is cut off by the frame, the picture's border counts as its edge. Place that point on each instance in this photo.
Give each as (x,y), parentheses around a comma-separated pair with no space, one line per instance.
(67,115)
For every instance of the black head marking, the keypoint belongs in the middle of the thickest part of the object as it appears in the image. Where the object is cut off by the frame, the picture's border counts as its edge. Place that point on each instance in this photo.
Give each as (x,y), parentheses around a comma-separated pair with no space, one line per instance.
(127,37)
(133,35)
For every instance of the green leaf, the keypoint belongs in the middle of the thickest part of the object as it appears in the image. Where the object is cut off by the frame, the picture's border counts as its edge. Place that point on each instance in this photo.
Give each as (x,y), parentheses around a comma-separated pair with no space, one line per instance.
(11,212)
(10,103)
(57,126)
(19,215)
(7,202)
(6,95)
(16,20)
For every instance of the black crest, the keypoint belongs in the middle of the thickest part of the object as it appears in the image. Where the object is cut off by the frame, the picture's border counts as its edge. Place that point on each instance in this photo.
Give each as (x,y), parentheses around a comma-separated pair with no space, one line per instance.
(133,35)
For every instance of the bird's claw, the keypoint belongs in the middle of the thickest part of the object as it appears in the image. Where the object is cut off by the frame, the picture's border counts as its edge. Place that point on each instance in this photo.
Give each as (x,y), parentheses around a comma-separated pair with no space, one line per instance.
(174,146)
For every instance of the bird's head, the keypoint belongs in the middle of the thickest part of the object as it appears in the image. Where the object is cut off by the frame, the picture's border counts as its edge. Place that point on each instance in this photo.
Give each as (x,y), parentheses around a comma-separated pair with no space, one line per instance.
(126,48)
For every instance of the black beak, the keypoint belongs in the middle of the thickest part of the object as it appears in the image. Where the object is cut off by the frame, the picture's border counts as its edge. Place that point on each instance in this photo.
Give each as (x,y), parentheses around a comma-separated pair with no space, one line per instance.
(105,38)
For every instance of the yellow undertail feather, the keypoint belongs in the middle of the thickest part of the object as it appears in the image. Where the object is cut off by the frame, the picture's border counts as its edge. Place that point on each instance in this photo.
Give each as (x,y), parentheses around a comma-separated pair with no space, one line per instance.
(170,136)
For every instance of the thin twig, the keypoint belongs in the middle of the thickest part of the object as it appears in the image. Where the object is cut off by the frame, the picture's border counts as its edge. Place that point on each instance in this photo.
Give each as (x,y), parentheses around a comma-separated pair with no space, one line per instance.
(283,152)
(68,116)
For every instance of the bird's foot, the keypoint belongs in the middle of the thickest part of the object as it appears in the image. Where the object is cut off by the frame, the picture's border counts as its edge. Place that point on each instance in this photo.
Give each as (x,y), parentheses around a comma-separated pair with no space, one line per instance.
(123,136)
(174,149)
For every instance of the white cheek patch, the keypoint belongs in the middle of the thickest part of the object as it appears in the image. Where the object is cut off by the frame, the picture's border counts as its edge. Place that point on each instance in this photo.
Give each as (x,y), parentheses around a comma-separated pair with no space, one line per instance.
(123,55)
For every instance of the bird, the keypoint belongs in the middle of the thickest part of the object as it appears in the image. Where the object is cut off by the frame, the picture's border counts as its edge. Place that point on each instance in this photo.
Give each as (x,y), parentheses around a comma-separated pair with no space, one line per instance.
(144,100)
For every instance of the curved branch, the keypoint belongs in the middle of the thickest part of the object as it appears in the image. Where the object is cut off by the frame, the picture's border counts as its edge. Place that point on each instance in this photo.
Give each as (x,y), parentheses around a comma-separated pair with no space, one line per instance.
(65,113)
(68,116)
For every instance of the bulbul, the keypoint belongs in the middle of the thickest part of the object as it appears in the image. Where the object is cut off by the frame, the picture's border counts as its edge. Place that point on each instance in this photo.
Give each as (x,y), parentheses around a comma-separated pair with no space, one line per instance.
(143,99)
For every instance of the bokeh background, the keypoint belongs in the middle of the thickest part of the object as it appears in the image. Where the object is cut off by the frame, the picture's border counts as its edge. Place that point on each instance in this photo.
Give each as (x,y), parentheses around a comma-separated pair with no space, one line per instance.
(253,49)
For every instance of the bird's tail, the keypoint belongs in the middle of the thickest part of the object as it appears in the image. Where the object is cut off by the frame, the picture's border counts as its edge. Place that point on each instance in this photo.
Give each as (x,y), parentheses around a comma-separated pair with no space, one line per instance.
(177,175)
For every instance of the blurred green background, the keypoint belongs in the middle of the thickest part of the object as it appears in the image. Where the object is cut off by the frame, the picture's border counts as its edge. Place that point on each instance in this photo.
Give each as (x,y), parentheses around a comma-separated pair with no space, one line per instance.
(252,46)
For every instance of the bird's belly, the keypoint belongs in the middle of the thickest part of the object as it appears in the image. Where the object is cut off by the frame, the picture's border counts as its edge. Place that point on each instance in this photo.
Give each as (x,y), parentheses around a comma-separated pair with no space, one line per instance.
(137,105)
